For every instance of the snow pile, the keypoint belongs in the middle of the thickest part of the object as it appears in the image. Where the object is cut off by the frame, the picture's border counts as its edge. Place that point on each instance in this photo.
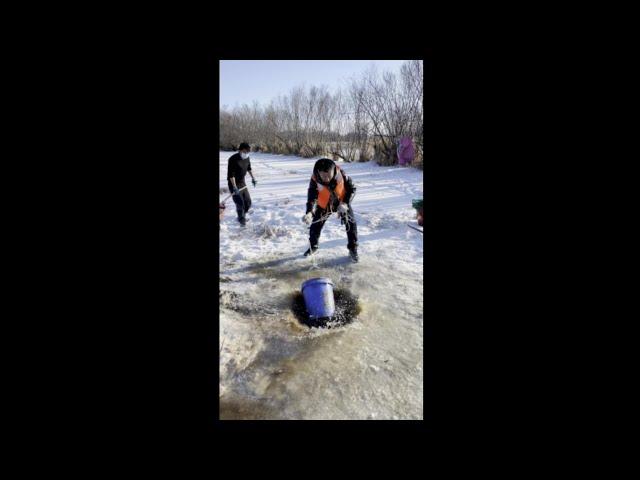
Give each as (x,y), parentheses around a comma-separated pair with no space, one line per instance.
(271,366)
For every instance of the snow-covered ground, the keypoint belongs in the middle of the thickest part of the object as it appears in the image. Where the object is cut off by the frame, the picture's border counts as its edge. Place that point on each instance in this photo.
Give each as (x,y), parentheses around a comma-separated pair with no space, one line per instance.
(271,366)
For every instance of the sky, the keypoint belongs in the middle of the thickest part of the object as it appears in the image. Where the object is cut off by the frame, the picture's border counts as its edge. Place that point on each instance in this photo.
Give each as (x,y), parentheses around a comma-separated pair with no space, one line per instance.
(243,81)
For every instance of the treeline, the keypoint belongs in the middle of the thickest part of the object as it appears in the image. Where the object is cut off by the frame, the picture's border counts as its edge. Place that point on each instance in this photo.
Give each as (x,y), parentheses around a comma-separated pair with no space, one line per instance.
(363,120)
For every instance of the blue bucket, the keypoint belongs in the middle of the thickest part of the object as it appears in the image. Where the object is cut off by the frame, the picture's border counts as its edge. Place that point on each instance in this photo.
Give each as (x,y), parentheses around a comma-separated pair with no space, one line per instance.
(318,298)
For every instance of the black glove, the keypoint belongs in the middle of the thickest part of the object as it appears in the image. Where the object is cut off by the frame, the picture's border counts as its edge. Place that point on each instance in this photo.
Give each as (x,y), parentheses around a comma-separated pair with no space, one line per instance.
(236,191)
(253,180)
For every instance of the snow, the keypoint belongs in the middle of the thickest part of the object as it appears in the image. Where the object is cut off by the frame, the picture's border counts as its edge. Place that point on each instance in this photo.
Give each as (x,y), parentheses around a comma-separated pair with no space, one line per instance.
(271,366)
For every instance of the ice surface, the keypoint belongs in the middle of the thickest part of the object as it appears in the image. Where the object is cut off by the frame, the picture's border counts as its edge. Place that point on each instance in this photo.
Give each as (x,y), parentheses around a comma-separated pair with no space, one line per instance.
(271,366)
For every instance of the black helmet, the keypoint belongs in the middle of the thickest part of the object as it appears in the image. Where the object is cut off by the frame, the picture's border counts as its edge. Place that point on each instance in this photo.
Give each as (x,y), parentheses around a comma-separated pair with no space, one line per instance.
(244,146)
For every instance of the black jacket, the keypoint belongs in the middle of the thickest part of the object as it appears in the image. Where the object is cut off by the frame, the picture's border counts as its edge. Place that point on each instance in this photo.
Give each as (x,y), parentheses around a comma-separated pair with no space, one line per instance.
(312,192)
(237,168)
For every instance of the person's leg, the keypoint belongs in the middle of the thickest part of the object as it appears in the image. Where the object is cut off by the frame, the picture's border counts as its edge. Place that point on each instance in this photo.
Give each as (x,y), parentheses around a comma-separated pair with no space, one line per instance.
(238,200)
(316,228)
(352,231)
(247,199)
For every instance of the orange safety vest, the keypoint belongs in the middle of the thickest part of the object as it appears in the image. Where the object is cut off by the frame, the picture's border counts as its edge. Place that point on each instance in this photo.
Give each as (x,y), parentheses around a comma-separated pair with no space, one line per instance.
(324,194)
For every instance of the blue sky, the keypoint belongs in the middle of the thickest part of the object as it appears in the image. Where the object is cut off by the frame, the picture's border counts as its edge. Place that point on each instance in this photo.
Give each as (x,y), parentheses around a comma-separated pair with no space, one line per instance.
(243,81)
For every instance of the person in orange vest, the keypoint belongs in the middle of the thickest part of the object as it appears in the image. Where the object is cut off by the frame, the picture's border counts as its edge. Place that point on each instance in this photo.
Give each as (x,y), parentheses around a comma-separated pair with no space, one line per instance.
(331,190)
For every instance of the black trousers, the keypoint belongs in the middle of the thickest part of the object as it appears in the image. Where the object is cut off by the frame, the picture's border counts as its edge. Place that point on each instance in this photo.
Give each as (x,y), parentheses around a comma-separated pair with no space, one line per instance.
(350,227)
(242,201)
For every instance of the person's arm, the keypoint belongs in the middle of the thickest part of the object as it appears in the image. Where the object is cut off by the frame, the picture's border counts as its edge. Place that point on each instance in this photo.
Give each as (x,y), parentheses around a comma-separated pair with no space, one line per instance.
(312,194)
(349,193)
(350,190)
(253,179)
(230,175)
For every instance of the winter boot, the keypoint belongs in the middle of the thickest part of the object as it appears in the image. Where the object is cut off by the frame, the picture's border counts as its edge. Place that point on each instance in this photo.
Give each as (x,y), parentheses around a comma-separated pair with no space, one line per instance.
(311,251)
(241,217)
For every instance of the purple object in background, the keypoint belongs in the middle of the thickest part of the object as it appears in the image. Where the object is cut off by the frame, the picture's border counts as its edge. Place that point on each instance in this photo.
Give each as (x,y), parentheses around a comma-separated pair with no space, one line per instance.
(405,151)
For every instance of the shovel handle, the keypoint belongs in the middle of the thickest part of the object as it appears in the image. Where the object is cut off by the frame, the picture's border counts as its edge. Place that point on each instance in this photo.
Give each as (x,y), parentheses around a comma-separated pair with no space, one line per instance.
(230,195)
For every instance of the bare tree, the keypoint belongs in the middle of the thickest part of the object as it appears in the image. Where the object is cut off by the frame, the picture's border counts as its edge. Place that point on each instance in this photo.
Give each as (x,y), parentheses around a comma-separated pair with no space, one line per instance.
(349,125)
(392,105)
(373,112)
(412,74)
